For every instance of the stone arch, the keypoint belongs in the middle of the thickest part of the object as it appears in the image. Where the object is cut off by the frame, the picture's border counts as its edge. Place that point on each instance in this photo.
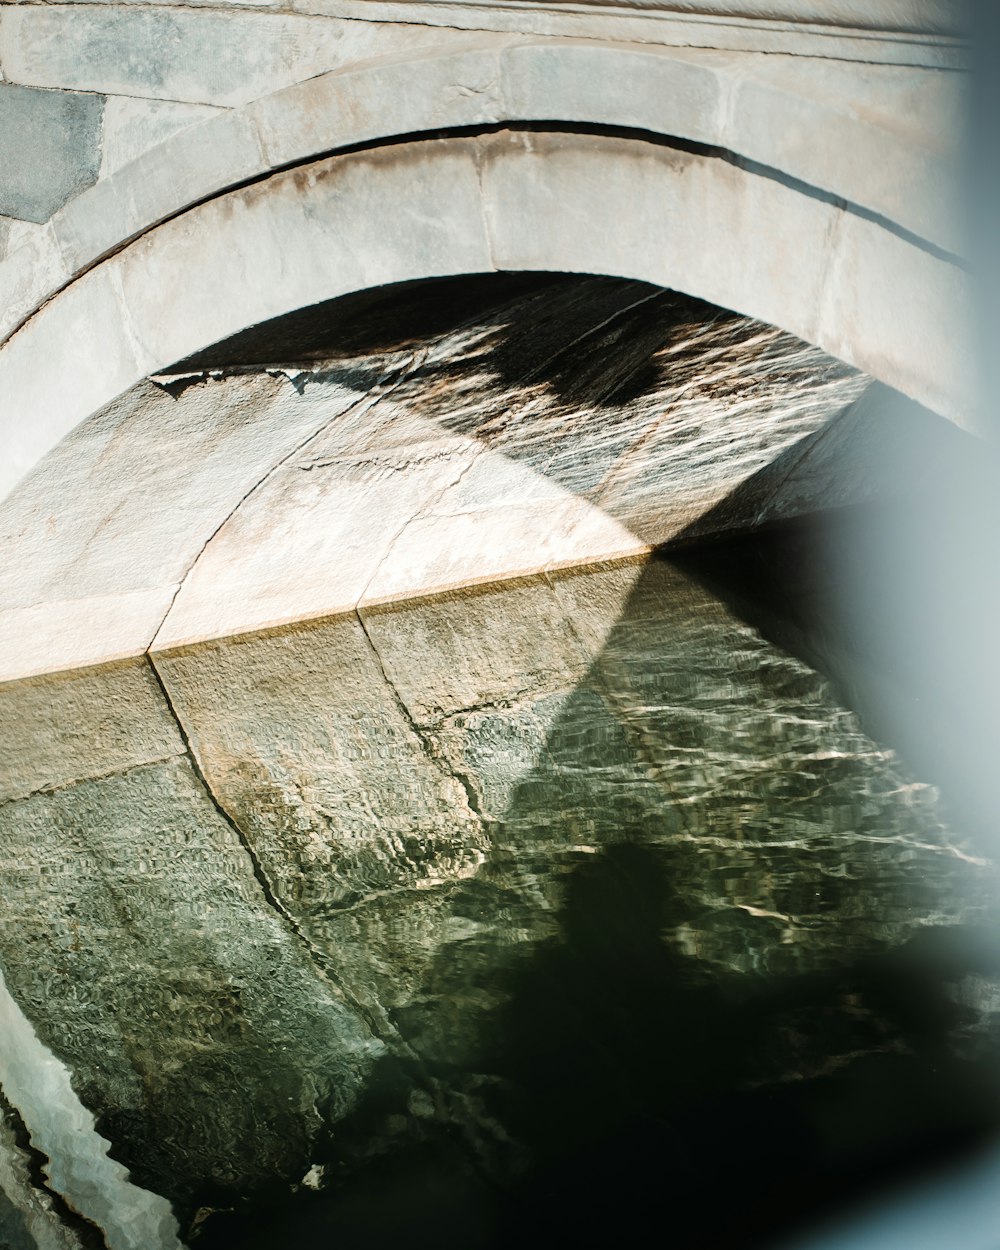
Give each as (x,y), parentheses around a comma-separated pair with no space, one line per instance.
(621,204)
(867,156)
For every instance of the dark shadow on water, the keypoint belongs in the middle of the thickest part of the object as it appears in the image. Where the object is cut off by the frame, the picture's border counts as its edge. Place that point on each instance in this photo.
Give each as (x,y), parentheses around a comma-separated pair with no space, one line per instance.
(630,1093)
(634,1088)
(648,1092)
(897,603)
(626,1091)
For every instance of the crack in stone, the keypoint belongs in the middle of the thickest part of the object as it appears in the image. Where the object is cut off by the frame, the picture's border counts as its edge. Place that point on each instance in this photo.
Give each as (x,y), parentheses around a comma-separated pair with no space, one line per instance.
(425,510)
(374,1018)
(480,156)
(267,889)
(59,787)
(441,763)
(374,395)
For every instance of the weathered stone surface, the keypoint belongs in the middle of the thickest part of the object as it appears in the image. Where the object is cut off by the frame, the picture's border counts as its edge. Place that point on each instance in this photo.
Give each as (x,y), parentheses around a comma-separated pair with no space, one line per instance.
(341,798)
(32,269)
(221,58)
(98,360)
(525,648)
(475,458)
(196,1010)
(469,454)
(328,229)
(540,193)
(14,232)
(678,93)
(369,219)
(879,122)
(475,452)
(58,730)
(138,515)
(463,82)
(910,36)
(893,133)
(50,148)
(519,687)
(186,167)
(133,126)
(903,313)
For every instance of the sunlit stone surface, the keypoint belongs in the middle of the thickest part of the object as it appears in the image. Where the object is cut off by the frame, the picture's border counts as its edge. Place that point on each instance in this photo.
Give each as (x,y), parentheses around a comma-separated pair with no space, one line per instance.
(406,443)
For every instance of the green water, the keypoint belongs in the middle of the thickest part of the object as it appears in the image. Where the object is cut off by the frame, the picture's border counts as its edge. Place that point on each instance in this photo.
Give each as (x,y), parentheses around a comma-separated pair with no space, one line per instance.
(604,918)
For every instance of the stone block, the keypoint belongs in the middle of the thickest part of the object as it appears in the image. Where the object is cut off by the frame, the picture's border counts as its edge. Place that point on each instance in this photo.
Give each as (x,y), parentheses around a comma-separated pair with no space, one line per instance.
(108,525)
(881,137)
(76,354)
(14,232)
(885,295)
(133,126)
(159,942)
(339,225)
(207,57)
(60,729)
(443,88)
(673,92)
(309,542)
(487,646)
(50,148)
(184,168)
(601,204)
(303,740)
(28,275)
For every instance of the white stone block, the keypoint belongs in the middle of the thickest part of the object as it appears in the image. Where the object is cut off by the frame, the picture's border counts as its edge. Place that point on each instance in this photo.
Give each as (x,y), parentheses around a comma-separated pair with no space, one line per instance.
(904,316)
(673,92)
(440,552)
(76,633)
(310,540)
(602,204)
(28,274)
(883,137)
(75,355)
(308,235)
(208,57)
(398,95)
(133,126)
(184,168)
(111,521)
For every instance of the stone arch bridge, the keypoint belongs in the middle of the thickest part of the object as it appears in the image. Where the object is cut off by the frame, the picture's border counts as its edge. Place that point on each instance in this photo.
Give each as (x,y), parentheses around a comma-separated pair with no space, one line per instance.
(336,338)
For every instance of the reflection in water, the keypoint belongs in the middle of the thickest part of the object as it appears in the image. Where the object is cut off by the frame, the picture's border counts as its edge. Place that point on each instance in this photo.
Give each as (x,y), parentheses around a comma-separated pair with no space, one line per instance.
(651,934)
(78,1167)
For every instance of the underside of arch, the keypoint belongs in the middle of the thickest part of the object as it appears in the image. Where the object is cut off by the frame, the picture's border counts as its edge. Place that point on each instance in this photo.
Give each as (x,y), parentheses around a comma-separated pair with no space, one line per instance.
(508,199)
